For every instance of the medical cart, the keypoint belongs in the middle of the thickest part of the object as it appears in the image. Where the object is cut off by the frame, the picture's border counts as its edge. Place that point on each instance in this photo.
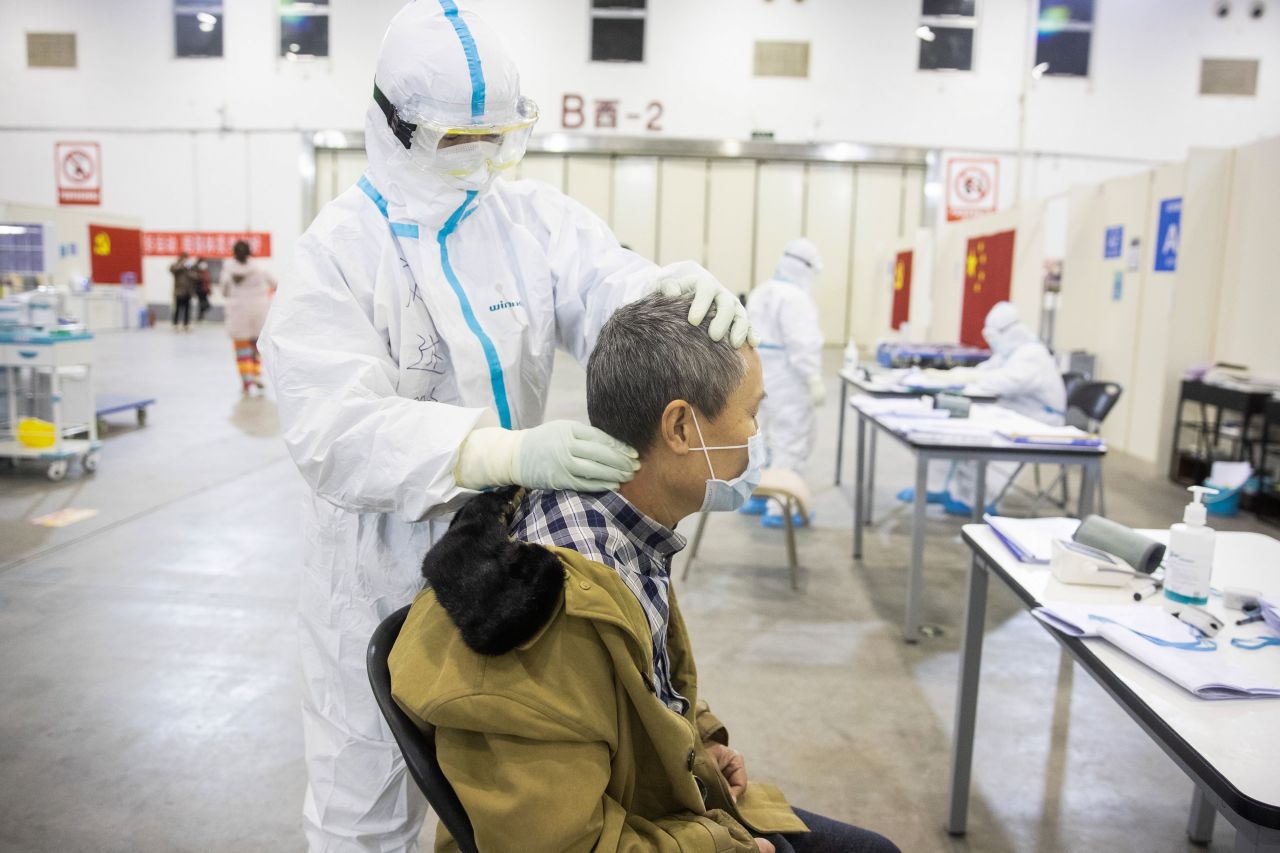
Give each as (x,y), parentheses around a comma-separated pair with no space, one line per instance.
(30,358)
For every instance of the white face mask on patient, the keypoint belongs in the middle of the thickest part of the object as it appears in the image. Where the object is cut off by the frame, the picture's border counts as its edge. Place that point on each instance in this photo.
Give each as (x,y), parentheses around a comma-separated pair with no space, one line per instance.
(730,495)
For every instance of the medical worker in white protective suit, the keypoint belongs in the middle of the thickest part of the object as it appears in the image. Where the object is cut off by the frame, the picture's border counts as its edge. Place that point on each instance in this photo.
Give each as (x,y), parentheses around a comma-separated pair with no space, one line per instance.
(782,311)
(411,349)
(1023,375)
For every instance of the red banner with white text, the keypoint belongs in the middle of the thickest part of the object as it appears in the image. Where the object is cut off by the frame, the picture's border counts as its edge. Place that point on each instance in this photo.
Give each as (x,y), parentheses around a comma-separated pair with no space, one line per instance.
(205,244)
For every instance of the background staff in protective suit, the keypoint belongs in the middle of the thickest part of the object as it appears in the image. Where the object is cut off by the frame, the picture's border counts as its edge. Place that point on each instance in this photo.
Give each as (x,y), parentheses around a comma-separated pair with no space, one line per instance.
(1023,375)
(410,349)
(782,311)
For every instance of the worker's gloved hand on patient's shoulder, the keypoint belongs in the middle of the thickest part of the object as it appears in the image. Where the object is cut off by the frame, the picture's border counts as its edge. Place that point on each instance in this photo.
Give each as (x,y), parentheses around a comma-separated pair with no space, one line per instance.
(555,455)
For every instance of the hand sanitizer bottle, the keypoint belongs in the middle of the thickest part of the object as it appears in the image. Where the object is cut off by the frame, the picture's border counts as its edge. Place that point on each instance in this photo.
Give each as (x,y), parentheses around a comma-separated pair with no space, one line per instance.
(1188,564)
(850,357)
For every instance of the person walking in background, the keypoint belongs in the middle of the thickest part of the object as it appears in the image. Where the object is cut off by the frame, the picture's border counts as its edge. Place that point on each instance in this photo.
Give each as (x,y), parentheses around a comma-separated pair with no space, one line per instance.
(186,279)
(247,289)
(203,289)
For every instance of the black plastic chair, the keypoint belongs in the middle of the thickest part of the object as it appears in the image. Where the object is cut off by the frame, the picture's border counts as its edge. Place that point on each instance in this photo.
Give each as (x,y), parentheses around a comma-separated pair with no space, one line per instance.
(1094,400)
(1088,404)
(1071,381)
(419,748)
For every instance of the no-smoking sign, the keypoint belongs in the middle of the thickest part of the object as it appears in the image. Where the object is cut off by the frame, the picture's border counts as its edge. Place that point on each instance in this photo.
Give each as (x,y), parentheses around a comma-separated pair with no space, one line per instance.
(972,185)
(78,172)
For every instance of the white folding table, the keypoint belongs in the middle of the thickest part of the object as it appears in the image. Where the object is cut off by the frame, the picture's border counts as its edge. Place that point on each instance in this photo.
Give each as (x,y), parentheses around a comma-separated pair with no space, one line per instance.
(1230,749)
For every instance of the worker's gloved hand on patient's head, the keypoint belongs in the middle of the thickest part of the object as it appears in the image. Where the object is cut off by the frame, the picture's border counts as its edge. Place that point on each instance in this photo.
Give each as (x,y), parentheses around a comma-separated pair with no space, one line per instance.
(731,314)
(555,455)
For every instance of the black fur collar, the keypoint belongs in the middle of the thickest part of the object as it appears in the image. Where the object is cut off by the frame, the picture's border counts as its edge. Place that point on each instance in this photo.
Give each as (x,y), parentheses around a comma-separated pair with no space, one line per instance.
(497,590)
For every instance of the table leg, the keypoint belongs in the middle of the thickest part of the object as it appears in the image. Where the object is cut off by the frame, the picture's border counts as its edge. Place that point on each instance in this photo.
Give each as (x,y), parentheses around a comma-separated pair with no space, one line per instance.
(1254,840)
(975,613)
(1200,822)
(12,376)
(861,452)
(844,408)
(1088,485)
(980,497)
(911,625)
(871,477)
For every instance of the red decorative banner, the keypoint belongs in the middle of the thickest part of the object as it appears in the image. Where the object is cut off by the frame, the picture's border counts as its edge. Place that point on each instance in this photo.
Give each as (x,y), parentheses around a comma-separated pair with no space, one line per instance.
(115,255)
(901,289)
(205,244)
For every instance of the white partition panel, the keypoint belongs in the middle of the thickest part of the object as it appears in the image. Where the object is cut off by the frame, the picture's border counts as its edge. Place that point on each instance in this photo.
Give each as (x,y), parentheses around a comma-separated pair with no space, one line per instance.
(732,198)
(877,215)
(1117,305)
(682,202)
(635,203)
(548,168)
(912,213)
(337,170)
(589,179)
(1246,323)
(780,189)
(828,223)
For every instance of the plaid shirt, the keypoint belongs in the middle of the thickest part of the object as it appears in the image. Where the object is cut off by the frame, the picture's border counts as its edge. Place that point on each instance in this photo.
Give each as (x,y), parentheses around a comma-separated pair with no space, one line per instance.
(606,528)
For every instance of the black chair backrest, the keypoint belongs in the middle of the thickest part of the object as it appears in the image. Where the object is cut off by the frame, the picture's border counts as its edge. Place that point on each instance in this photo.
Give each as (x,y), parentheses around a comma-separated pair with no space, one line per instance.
(1071,381)
(1094,399)
(419,748)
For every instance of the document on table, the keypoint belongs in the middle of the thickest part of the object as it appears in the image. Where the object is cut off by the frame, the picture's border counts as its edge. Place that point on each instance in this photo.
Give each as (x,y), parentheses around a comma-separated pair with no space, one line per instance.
(900,407)
(1142,630)
(1031,539)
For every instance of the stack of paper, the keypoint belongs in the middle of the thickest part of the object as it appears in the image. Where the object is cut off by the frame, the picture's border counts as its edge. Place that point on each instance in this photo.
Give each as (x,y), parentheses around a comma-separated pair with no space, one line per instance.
(1052,435)
(1141,630)
(941,430)
(1031,539)
(900,407)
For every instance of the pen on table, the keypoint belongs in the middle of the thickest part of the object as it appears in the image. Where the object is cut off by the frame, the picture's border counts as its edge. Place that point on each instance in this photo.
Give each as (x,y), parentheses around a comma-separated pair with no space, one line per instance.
(1140,594)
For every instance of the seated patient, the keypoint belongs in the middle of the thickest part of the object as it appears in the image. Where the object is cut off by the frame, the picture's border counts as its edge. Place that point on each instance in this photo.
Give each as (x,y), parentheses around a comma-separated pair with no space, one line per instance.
(549,653)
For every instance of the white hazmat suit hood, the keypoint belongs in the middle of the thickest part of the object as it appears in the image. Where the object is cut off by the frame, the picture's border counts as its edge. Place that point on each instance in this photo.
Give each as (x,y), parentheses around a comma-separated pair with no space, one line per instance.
(416,310)
(426,70)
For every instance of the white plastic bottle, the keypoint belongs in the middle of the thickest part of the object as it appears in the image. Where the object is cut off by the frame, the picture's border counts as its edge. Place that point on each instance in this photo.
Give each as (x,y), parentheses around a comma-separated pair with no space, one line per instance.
(1188,564)
(850,356)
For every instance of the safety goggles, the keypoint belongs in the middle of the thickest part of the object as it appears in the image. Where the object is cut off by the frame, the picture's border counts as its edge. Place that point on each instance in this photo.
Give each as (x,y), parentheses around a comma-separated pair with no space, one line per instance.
(427,127)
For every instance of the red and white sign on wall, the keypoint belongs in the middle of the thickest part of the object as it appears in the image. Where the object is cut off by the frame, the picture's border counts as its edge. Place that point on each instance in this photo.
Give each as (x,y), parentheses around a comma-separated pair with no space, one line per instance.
(205,244)
(77,168)
(972,187)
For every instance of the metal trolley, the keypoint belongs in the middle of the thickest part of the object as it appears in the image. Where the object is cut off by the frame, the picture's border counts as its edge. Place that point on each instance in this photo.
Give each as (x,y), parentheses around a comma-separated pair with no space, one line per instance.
(34,362)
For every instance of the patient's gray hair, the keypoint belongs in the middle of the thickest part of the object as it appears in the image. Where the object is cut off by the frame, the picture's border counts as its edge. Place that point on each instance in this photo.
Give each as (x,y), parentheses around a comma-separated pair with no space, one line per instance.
(649,354)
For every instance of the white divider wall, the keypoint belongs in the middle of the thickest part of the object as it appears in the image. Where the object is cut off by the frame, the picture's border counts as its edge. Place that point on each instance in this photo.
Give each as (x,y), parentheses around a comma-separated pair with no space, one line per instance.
(780,209)
(548,168)
(730,224)
(1160,322)
(590,181)
(877,221)
(635,203)
(829,223)
(714,211)
(1108,323)
(1176,318)
(1250,303)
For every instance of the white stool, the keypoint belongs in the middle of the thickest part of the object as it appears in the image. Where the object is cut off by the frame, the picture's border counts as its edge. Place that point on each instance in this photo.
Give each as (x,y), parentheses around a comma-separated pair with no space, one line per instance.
(787,488)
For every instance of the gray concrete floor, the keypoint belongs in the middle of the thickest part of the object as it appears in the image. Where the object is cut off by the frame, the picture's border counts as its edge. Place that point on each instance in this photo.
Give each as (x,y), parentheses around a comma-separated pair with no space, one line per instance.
(151,688)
